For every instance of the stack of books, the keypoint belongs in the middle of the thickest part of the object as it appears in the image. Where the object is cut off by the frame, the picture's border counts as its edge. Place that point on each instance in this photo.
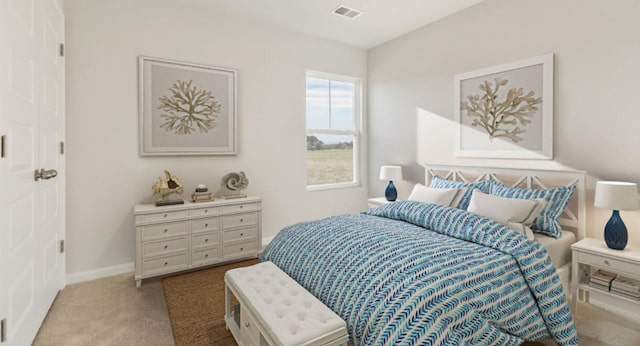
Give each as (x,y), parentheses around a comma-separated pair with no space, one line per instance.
(626,287)
(198,197)
(601,279)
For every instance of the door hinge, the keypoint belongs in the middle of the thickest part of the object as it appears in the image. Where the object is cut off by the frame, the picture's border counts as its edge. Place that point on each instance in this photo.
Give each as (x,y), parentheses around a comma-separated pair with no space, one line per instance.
(61,49)
(3,330)
(61,148)
(62,246)
(3,145)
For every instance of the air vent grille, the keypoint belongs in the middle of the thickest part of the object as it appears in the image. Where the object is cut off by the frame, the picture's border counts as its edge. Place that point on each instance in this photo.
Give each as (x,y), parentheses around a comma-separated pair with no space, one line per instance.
(347,12)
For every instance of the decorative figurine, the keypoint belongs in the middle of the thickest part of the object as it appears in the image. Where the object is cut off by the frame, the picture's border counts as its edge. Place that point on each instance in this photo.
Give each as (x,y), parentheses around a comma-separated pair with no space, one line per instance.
(202,194)
(232,184)
(165,187)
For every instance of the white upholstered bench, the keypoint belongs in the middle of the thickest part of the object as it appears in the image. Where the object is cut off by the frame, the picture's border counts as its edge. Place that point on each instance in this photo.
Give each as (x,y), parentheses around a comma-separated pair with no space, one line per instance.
(275,310)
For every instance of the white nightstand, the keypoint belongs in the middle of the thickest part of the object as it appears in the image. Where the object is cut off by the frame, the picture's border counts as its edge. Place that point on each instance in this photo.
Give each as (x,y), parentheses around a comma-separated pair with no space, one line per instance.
(589,255)
(378,201)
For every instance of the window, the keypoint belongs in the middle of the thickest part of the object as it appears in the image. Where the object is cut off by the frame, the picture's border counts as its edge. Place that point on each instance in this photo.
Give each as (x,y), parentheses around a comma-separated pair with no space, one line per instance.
(333,128)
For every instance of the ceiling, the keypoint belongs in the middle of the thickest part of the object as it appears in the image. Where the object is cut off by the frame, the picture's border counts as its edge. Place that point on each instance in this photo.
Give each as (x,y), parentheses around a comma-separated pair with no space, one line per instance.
(382,20)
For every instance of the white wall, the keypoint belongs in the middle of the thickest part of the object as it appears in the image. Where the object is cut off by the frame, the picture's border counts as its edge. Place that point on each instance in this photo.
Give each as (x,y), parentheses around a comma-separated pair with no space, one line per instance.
(597,62)
(106,177)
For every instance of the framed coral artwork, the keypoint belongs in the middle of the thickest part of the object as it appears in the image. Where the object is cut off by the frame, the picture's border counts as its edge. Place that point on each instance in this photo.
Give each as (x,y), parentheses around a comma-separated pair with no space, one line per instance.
(186,109)
(505,111)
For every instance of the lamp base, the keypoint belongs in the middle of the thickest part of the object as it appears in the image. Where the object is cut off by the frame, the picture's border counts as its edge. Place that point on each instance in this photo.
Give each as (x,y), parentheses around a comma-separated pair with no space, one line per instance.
(391,194)
(615,232)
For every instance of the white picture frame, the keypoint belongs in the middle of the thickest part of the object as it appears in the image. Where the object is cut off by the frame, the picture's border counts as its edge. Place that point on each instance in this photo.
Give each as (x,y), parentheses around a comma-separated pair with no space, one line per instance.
(510,126)
(186,108)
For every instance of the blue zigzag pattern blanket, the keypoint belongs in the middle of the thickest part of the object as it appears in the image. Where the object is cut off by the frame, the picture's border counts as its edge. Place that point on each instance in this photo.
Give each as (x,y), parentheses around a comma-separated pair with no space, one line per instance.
(410,273)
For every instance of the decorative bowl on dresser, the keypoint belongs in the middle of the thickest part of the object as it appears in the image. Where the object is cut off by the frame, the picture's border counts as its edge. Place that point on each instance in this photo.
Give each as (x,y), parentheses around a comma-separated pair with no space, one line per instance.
(170,239)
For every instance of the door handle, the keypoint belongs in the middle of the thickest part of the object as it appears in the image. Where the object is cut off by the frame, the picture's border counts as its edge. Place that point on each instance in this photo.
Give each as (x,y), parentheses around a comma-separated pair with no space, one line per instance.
(44,174)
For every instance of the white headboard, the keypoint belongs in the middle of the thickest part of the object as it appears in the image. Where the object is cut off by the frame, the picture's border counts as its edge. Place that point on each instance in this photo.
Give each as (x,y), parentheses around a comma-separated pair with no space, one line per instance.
(574,217)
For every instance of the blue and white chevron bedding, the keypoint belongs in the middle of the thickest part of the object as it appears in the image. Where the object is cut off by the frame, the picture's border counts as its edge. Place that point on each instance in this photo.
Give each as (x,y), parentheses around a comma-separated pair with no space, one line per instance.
(410,273)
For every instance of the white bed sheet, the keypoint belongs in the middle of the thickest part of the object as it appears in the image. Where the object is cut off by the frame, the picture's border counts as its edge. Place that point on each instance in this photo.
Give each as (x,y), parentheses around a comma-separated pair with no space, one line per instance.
(559,249)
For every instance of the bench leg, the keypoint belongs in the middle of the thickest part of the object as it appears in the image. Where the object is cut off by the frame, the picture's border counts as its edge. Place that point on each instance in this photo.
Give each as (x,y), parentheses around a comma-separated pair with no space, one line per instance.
(227,305)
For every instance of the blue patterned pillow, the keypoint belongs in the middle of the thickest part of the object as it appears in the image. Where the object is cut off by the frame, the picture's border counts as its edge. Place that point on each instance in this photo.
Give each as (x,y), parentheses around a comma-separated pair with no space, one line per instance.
(557,199)
(463,202)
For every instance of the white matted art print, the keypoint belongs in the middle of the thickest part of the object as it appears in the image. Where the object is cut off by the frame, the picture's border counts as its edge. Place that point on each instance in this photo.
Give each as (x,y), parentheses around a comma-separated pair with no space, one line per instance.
(186,109)
(506,111)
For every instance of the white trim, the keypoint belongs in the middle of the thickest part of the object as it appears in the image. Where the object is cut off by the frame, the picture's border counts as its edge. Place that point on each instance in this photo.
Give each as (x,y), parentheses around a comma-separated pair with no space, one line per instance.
(333,186)
(546,153)
(100,273)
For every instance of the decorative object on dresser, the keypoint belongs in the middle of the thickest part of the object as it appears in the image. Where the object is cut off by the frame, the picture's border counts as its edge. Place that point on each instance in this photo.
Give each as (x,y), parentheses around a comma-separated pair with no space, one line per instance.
(590,259)
(391,173)
(181,237)
(268,314)
(505,111)
(165,187)
(232,184)
(618,196)
(201,194)
(186,109)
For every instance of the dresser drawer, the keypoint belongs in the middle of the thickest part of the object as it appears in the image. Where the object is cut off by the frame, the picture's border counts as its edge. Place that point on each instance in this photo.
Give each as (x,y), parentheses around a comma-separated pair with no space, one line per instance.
(164,230)
(166,216)
(204,239)
(206,211)
(164,246)
(239,248)
(164,263)
(239,234)
(206,224)
(239,220)
(240,208)
(607,263)
(249,333)
(205,256)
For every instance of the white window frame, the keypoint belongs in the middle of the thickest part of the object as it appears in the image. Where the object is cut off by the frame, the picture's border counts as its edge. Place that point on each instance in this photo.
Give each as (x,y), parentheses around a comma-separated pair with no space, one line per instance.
(356,132)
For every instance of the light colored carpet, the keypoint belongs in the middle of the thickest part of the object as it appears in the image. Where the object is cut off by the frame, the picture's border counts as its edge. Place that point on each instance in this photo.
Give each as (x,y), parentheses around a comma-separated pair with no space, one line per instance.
(112,311)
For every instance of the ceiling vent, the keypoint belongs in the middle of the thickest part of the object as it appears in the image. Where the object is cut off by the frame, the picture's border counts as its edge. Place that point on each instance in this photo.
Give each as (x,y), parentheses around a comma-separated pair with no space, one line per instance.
(347,12)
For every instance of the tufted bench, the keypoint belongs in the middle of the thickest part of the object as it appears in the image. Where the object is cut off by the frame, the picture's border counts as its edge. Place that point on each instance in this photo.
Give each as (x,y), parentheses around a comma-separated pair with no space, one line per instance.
(276,310)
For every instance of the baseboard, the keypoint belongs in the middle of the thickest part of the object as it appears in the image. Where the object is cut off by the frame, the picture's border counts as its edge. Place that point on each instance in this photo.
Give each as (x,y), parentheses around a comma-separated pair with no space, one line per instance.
(100,273)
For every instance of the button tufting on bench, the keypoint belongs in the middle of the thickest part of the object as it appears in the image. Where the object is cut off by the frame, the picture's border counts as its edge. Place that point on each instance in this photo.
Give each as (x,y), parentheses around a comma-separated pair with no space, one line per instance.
(290,316)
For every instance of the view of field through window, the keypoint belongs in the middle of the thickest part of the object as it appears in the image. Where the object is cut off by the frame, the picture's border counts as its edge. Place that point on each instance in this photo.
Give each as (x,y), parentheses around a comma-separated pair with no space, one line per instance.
(331,130)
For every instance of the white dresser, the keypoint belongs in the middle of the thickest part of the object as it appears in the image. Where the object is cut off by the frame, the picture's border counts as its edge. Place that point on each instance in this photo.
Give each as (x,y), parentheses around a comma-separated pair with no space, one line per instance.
(179,237)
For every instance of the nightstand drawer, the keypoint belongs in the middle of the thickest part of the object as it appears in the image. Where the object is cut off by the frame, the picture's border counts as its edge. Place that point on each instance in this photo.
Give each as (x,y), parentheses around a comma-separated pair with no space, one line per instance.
(164,246)
(207,224)
(606,263)
(164,230)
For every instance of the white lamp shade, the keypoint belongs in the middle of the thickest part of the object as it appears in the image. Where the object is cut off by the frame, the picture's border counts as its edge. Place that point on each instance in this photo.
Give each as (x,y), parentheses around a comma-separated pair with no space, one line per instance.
(390,173)
(616,195)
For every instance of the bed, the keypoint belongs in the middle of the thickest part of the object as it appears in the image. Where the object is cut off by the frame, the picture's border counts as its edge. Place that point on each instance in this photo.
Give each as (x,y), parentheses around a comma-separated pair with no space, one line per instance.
(419,273)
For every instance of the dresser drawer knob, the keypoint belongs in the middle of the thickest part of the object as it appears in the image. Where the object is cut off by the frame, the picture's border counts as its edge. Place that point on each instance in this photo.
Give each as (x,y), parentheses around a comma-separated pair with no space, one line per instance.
(165,215)
(241,220)
(246,324)
(206,255)
(607,262)
(166,230)
(241,234)
(206,240)
(206,225)
(166,247)
(166,263)
(206,211)
(242,206)
(241,248)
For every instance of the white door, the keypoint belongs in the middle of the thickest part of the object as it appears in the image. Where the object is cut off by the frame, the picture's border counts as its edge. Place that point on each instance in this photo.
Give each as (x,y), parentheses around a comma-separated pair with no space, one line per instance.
(32,123)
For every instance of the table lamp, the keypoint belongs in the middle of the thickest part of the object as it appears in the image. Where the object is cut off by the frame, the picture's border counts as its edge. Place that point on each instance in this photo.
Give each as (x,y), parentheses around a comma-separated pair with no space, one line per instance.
(618,196)
(391,173)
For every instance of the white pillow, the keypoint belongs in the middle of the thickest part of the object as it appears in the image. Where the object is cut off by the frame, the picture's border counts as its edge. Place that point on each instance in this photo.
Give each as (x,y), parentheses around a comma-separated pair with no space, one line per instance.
(432,195)
(517,214)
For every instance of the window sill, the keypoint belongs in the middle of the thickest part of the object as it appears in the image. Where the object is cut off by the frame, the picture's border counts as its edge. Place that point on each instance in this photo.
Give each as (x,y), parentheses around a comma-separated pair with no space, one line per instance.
(324,187)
